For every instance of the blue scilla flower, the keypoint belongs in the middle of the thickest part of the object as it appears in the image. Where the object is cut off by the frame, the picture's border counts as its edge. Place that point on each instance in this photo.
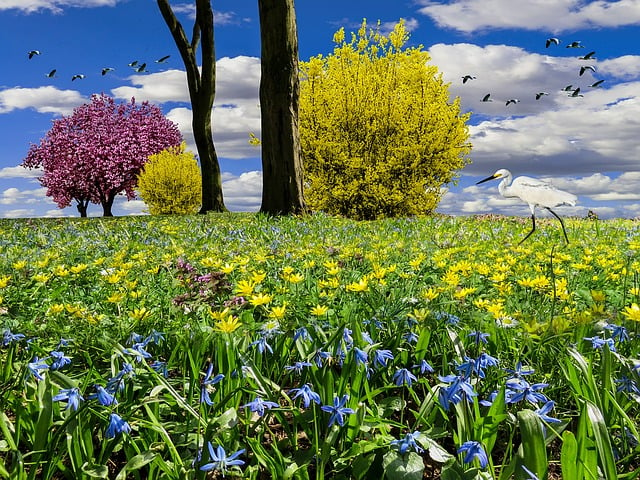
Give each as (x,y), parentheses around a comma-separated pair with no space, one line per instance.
(474,450)
(403,376)
(35,366)
(117,426)
(522,390)
(598,343)
(160,367)
(346,336)
(366,337)
(104,398)
(618,332)
(626,384)
(8,337)
(543,412)
(338,412)
(260,406)
(154,337)
(134,338)
(207,383)
(320,356)
(424,367)
(297,367)
(410,337)
(262,345)
(519,371)
(459,388)
(307,394)
(138,350)
(447,317)
(59,360)
(361,356)
(71,396)
(301,333)
(381,357)
(479,337)
(407,443)
(220,461)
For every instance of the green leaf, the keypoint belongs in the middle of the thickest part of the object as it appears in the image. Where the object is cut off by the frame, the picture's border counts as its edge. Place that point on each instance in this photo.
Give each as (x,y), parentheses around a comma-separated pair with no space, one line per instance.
(136,463)
(361,466)
(533,452)
(95,471)
(568,456)
(402,467)
(603,441)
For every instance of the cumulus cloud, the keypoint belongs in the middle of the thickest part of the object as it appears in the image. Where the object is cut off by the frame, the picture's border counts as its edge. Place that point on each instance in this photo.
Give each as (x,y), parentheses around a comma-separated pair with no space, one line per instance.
(46,99)
(14,196)
(20,172)
(243,193)
(561,15)
(55,6)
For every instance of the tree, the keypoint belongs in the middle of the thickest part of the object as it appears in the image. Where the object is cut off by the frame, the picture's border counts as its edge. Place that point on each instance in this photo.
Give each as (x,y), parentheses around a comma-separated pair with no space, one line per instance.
(379,133)
(202,91)
(170,182)
(98,151)
(282,189)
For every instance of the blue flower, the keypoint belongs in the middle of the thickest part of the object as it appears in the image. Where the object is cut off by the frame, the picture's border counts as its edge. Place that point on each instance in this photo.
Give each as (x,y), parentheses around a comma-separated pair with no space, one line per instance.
(320,356)
(544,410)
(260,406)
(519,371)
(301,333)
(220,461)
(362,357)
(307,394)
(448,317)
(71,396)
(522,390)
(424,367)
(117,426)
(104,398)
(626,384)
(473,450)
(154,337)
(207,383)
(479,337)
(262,345)
(403,376)
(59,360)
(381,357)
(35,365)
(458,389)
(367,338)
(297,367)
(530,474)
(338,410)
(410,337)
(598,342)
(346,336)
(409,441)
(8,337)
(138,351)
(618,332)
(160,367)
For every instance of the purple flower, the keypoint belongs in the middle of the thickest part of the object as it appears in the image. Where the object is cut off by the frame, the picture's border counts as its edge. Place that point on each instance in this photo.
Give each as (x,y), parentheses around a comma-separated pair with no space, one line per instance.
(260,406)
(71,396)
(338,410)
(117,426)
(220,461)
(307,394)
(473,450)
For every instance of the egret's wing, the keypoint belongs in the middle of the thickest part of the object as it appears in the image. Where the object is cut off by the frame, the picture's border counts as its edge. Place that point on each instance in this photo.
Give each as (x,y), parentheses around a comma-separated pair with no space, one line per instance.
(537,192)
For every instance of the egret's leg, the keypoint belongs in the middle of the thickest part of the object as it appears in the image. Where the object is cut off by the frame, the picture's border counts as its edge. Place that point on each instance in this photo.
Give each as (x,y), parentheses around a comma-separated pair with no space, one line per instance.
(561,223)
(533,221)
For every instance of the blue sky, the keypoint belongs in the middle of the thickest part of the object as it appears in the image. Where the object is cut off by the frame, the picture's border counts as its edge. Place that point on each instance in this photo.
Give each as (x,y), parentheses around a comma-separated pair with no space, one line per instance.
(589,145)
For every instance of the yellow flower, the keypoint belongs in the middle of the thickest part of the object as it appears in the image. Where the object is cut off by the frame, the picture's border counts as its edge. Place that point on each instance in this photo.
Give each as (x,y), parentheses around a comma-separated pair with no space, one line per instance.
(260,299)
(451,278)
(115,297)
(635,291)
(597,295)
(4,281)
(210,262)
(361,286)
(113,278)
(496,309)
(419,314)
(294,278)
(78,268)
(257,277)
(226,268)
(228,324)
(462,293)
(139,313)
(430,294)
(220,315)
(19,265)
(41,277)
(56,308)
(244,288)
(416,262)
(60,271)
(632,312)
(277,312)
(319,310)
(286,271)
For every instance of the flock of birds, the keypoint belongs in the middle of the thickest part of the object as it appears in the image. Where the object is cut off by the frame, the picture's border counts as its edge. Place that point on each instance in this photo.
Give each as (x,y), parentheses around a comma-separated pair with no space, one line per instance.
(138,67)
(571,91)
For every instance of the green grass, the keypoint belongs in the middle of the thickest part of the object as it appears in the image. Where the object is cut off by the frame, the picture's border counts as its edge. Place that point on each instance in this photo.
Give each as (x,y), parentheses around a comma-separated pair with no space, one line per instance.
(238,309)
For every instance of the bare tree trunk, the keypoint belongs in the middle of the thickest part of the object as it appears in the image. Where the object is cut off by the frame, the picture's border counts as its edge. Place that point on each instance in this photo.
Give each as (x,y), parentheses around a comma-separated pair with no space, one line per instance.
(202,92)
(282,190)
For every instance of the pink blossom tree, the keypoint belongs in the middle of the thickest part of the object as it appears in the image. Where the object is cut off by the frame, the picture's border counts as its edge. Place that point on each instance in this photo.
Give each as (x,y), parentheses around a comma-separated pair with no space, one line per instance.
(98,152)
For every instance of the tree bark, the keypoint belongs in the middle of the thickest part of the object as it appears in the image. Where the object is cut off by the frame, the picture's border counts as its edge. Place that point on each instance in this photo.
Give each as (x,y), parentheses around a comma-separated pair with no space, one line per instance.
(82,205)
(282,188)
(202,92)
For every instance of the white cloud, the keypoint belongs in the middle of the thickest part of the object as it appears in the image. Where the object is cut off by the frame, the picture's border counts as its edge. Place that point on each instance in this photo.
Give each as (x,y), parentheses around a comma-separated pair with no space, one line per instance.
(19,213)
(55,6)
(13,196)
(243,193)
(556,16)
(20,172)
(46,99)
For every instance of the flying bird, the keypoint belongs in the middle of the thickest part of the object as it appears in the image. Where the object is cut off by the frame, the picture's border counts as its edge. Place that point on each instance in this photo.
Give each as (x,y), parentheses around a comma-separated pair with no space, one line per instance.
(575,45)
(568,88)
(551,40)
(133,64)
(512,100)
(588,56)
(33,53)
(587,67)
(539,95)
(77,76)
(596,84)
(533,192)
(486,98)
(107,70)
(163,59)
(51,74)
(576,93)
(142,68)
(466,78)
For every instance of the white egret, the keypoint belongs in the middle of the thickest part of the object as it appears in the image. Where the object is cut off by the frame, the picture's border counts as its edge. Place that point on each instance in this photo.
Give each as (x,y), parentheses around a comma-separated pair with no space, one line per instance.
(535,193)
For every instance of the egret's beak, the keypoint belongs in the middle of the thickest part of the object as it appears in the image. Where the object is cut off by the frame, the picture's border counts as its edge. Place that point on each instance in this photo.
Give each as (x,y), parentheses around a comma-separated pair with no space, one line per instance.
(486,179)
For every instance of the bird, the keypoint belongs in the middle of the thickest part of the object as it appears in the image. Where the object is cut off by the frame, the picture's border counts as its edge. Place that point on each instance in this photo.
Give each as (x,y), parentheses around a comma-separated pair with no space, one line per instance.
(486,98)
(551,40)
(142,68)
(539,95)
(512,100)
(568,88)
(466,78)
(107,70)
(51,74)
(133,64)
(576,93)
(33,53)
(163,59)
(77,76)
(575,45)
(596,84)
(588,56)
(533,192)
(587,67)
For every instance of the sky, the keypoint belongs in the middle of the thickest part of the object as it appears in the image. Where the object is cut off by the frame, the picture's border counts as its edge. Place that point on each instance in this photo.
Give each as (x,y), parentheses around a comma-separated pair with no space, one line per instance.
(587,143)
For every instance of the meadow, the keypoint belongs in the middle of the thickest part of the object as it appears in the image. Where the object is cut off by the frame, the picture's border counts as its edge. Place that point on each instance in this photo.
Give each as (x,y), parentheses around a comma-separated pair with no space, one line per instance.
(239,345)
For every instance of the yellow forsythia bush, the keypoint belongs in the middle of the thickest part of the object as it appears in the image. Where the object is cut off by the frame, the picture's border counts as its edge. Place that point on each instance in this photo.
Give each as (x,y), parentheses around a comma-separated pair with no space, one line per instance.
(379,132)
(171,183)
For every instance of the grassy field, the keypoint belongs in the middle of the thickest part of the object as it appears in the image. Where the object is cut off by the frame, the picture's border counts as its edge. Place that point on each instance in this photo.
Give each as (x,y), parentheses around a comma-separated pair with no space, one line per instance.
(244,346)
